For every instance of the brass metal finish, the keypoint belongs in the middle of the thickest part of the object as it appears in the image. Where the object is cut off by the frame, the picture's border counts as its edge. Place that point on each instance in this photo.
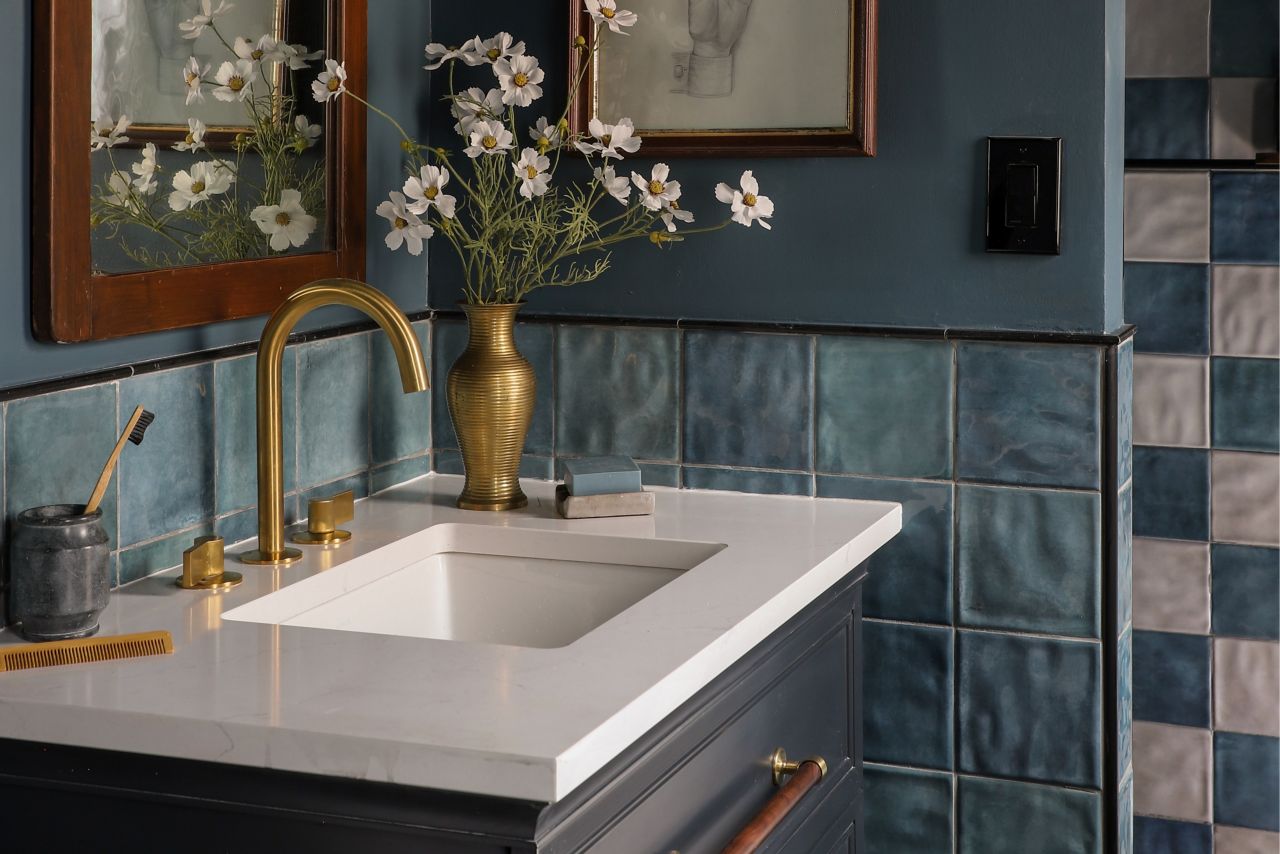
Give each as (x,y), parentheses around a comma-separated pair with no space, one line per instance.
(491,396)
(85,650)
(783,768)
(413,377)
(202,567)
(324,515)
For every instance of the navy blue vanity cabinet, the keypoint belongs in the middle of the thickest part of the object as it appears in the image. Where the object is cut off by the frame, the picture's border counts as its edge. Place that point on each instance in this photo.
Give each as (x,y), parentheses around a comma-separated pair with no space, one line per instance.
(688,785)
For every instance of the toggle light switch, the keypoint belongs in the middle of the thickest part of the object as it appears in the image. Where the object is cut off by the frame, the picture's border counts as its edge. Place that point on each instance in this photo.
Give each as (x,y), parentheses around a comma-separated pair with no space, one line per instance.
(1023,187)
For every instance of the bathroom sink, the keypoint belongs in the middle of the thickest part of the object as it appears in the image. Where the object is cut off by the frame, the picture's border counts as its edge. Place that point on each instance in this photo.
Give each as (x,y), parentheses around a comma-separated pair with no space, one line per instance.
(482,584)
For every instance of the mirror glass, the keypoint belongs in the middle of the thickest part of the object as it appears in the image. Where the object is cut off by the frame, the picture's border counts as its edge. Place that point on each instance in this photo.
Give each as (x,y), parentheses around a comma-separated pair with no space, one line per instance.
(206,143)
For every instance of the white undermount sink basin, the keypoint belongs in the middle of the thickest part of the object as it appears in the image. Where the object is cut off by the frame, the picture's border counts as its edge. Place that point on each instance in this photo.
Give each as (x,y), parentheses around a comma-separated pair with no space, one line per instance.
(483,584)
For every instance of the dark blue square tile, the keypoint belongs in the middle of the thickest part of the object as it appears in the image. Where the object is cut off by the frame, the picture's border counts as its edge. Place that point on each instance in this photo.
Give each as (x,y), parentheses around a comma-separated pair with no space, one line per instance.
(1246,217)
(401,471)
(1246,591)
(907,810)
(1004,817)
(1164,836)
(748,480)
(910,577)
(1171,678)
(1029,414)
(1246,780)
(748,400)
(1124,558)
(401,423)
(1021,700)
(158,555)
(1124,703)
(1169,303)
(908,691)
(1243,38)
(1124,413)
(617,392)
(1171,493)
(333,409)
(166,483)
(1246,404)
(657,474)
(236,423)
(884,406)
(1029,559)
(1166,118)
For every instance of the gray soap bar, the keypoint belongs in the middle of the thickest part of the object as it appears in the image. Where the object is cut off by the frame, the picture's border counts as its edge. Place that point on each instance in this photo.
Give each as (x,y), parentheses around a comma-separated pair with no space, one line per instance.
(596,506)
(601,476)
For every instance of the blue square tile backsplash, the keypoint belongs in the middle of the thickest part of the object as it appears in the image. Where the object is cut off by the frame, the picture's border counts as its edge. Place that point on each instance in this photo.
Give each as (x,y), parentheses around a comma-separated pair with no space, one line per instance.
(1166,836)
(1171,493)
(1246,591)
(1171,678)
(1002,817)
(1170,304)
(907,809)
(1246,217)
(1246,780)
(1246,404)
(909,671)
(1243,38)
(1166,118)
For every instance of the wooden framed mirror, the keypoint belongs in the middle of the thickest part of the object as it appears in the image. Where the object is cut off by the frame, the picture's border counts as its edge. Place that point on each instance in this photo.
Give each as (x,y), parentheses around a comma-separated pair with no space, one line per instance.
(163,223)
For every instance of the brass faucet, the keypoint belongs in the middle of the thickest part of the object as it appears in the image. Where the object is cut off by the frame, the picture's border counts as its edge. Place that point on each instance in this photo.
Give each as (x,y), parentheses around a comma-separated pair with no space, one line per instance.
(413,376)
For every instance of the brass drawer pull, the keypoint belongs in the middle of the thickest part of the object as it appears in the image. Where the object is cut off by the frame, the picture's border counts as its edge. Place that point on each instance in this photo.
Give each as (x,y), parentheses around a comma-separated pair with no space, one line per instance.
(783,768)
(804,775)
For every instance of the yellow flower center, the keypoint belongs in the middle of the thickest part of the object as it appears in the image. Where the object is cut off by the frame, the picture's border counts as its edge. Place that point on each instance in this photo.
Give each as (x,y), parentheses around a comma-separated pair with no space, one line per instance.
(431,193)
(282,218)
(401,222)
(656,187)
(235,84)
(521,79)
(190,138)
(197,187)
(531,171)
(607,139)
(489,142)
(192,78)
(493,53)
(675,206)
(607,12)
(749,200)
(257,53)
(334,84)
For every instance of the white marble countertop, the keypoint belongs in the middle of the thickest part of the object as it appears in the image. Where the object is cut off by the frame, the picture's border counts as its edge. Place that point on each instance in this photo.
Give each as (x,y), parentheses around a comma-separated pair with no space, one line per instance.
(495,720)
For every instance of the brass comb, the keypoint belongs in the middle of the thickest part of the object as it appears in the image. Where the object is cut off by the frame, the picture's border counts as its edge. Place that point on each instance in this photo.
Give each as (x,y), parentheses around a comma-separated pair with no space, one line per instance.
(85,650)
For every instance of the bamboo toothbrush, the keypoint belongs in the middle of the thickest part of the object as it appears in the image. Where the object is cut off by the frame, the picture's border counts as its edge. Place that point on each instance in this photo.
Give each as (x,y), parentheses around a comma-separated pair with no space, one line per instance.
(133,432)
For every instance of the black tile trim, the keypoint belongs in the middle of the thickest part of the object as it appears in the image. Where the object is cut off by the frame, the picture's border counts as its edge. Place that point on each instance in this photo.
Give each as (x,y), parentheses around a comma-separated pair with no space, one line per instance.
(1219,165)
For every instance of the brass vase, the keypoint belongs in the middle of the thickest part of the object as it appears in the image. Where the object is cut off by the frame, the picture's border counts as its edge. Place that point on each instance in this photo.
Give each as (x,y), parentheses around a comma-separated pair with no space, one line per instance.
(491,395)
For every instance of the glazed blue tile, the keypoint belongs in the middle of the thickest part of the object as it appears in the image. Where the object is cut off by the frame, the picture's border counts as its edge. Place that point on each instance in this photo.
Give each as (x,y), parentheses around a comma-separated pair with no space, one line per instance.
(166,483)
(447,462)
(1124,817)
(907,810)
(1124,413)
(401,471)
(1029,414)
(1164,836)
(1246,591)
(1124,558)
(748,400)
(1246,404)
(141,561)
(910,577)
(243,525)
(746,480)
(884,406)
(1169,303)
(1029,560)
(1171,678)
(1171,493)
(535,342)
(1005,817)
(1246,780)
(1243,38)
(538,468)
(617,392)
(658,474)
(908,691)
(400,424)
(333,409)
(1021,700)
(55,447)
(236,424)
(1166,118)
(1124,703)
(1246,217)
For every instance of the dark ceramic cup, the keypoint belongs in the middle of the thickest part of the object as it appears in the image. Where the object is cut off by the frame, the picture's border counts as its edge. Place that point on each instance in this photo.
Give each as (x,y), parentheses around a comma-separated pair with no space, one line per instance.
(59,572)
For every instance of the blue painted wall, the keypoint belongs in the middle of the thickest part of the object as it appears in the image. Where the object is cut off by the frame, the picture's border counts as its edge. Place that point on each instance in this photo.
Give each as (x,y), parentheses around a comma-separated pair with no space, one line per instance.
(398,43)
(896,240)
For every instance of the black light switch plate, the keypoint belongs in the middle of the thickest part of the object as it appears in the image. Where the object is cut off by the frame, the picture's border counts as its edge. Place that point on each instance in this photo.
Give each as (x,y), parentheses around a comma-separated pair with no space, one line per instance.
(1024,191)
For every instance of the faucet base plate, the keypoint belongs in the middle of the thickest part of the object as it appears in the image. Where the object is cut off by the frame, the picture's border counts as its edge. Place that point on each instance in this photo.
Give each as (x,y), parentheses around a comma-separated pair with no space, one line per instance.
(260,558)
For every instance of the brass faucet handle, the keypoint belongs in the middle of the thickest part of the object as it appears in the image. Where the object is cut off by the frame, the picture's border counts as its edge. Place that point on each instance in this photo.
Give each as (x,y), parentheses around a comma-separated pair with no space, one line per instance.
(202,567)
(324,517)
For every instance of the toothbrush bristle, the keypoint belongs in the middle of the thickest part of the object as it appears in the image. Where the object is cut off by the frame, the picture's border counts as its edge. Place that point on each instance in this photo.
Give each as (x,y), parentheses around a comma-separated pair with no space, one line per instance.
(144,421)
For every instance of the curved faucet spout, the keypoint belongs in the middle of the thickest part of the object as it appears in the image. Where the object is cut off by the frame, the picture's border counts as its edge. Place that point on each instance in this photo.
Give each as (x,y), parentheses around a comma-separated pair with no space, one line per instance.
(413,376)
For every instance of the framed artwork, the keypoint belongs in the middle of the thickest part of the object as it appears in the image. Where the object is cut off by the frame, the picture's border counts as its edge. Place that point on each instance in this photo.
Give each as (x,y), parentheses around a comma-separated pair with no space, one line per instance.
(720,78)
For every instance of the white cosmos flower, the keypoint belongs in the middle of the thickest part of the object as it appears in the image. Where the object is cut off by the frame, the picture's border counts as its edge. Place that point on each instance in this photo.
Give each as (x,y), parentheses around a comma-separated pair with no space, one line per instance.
(473,105)
(531,169)
(205,179)
(307,130)
(656,191)
(438,54)
(296,56)
(106,133)
(121,194)
(545,135)
(406,227)
(193,76)
(427,191)
(145,169)
(286,223)
(615,185)
(611,140)
(747,203)
(501,46)
(194,27)
(488,136)
(265,49)
(331,83)
(519,78)
(673,213)
(194,140)
(235,80)
(606,12)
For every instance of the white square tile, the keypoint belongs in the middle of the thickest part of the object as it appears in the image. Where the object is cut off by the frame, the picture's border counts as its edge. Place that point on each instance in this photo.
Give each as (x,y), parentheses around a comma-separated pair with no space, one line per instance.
(1244,117)
(1172,771)
(1246,686)
(1167,38)
(1166,216)
(1246,498)
(1171,586)
(1171,401)
(1246,311)
(1242,840)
